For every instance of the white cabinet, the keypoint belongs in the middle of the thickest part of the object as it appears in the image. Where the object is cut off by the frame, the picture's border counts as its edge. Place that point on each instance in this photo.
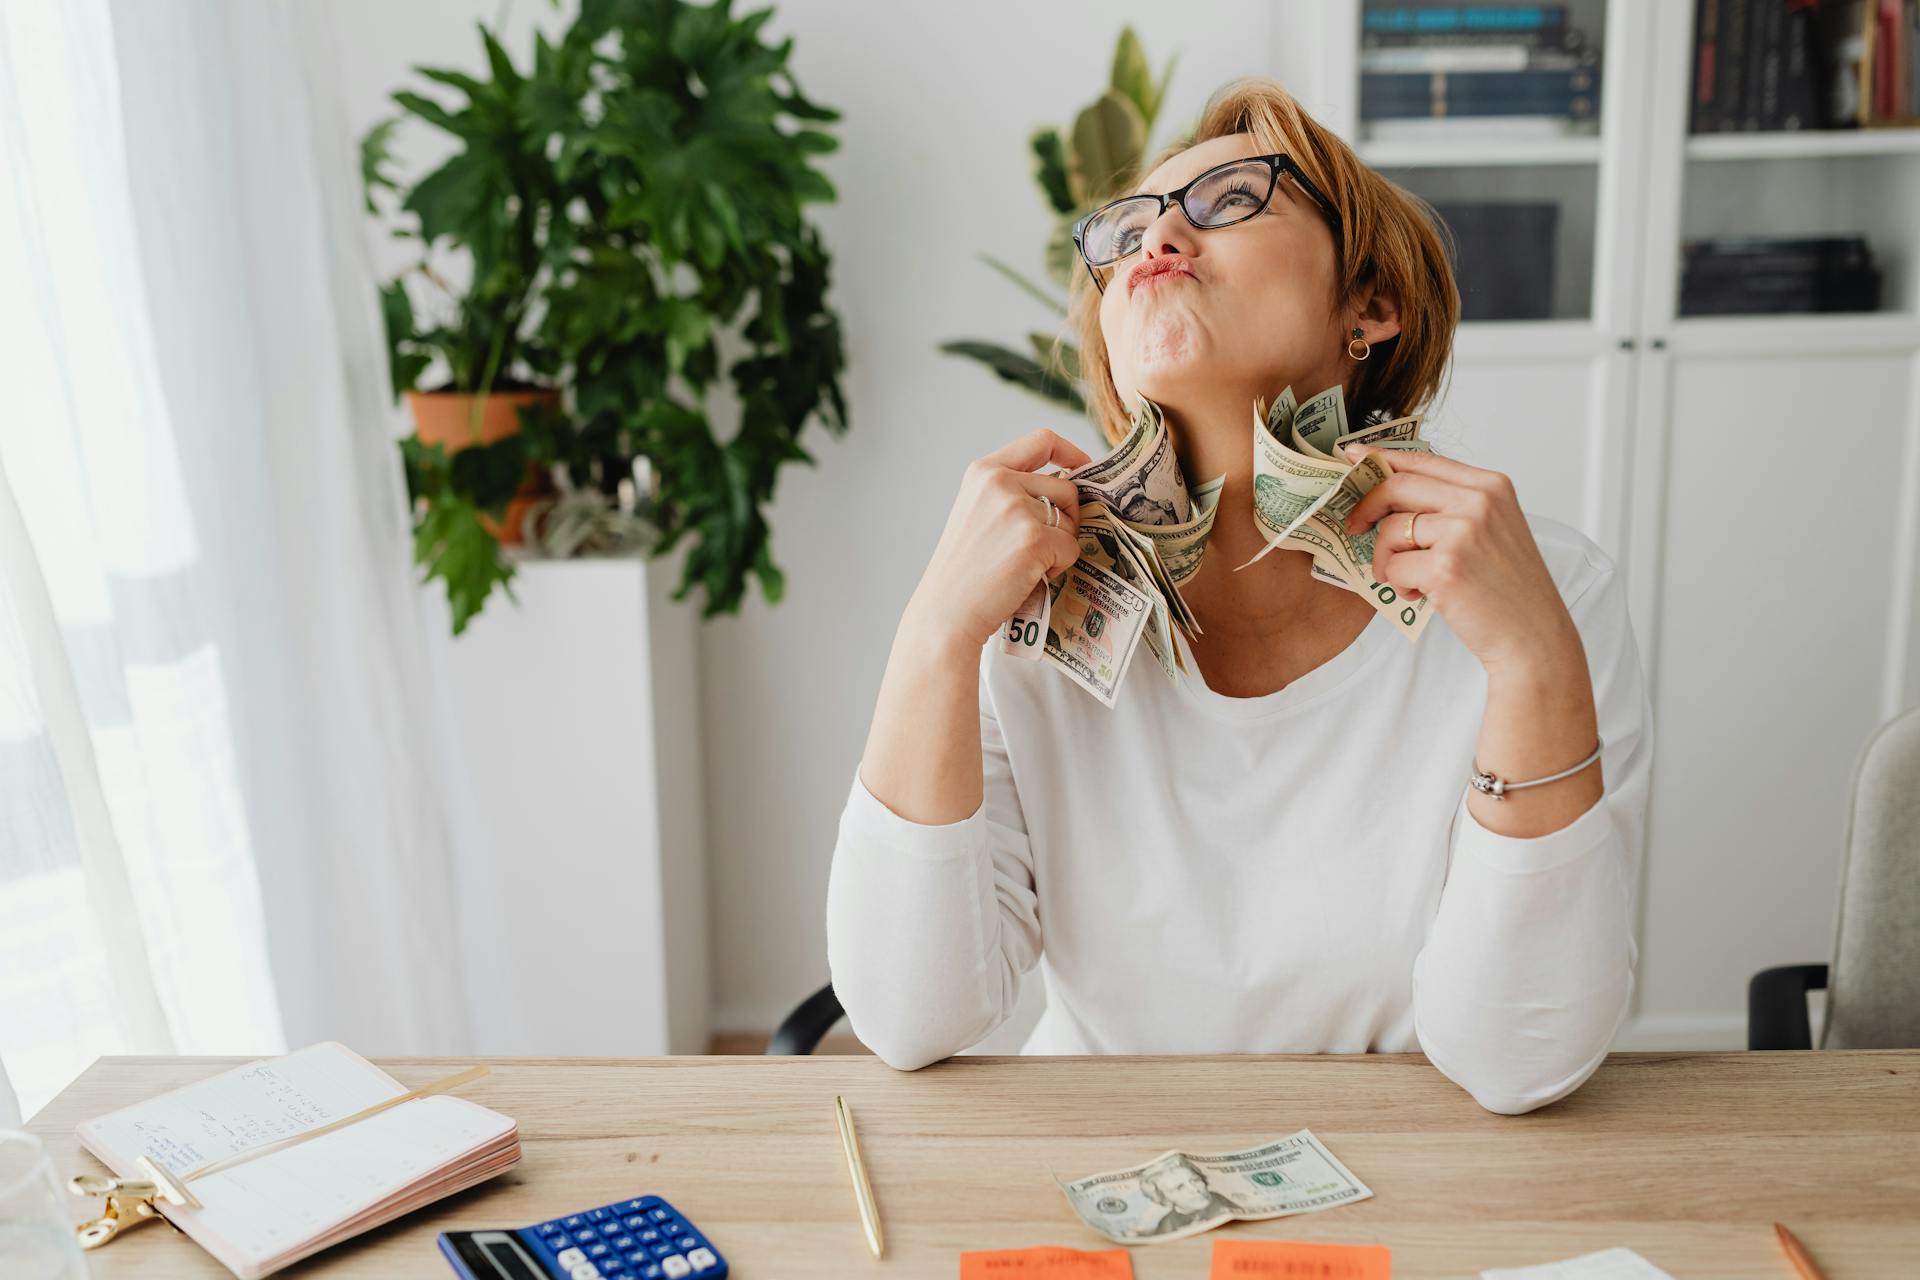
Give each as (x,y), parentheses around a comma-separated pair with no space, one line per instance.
(1758,478)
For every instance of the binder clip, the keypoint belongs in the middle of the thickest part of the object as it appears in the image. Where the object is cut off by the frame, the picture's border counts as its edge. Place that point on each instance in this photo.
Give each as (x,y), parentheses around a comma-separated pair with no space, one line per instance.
(130,1202)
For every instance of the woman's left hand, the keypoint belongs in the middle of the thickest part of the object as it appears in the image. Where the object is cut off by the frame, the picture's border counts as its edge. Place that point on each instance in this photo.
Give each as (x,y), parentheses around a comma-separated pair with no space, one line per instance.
(1475,556)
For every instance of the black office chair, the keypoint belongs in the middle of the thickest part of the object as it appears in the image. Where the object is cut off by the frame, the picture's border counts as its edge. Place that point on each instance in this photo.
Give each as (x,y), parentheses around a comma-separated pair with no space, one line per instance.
(804,1028)
(1777,1006)
(1873,984)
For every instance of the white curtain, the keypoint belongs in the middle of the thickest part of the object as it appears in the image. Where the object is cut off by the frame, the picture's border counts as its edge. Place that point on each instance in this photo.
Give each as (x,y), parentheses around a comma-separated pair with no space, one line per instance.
(223,830)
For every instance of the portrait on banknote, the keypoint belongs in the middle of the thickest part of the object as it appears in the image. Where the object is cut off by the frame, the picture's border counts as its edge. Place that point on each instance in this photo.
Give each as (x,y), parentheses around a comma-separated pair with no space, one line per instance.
(1183,1189)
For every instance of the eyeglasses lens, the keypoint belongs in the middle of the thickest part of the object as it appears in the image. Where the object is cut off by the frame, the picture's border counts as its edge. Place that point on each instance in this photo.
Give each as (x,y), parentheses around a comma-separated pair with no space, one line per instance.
(1221,197)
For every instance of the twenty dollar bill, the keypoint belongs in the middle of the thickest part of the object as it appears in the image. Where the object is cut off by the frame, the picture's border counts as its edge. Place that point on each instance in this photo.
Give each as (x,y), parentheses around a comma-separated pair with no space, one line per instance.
(1179,1194)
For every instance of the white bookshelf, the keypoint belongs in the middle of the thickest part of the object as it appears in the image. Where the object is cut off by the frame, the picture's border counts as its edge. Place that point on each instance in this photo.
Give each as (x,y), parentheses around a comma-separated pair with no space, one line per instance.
(1804,144)
(1771,654)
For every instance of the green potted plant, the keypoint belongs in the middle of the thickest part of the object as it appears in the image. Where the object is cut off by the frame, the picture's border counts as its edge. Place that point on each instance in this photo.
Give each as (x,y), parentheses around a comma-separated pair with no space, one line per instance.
(1098,159)
(621,203)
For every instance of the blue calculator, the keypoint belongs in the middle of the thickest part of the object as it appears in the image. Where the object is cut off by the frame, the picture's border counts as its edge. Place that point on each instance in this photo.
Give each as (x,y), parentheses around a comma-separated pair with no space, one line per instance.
(644,1239)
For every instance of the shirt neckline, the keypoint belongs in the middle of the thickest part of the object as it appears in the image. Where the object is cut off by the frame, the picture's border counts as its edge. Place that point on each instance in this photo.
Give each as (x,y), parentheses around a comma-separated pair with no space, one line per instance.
(1324,680)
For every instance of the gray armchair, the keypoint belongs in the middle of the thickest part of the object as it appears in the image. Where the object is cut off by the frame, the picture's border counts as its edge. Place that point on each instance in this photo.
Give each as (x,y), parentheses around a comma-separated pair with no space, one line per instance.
(1873,982)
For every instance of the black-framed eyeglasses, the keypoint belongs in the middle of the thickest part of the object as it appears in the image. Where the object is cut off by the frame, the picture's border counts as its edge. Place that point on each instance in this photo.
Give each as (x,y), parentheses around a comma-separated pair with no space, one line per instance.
(1223,195)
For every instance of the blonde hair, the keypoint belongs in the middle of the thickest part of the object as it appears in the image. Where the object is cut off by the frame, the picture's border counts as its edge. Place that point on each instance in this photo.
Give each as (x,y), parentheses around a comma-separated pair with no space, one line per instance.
(1389,238)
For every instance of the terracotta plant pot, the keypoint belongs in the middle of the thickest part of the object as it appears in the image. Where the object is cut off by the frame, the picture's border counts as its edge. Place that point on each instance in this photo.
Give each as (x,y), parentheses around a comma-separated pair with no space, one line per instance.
(446,418)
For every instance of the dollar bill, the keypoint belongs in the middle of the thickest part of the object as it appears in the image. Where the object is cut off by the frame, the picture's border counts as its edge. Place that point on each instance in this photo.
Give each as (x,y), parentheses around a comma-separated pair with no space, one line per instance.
(1320,422)
(1179,1194)
(1097,620)
(1140,481)
(1141,526)
(1026,630)
(1303,494)
(1398,433)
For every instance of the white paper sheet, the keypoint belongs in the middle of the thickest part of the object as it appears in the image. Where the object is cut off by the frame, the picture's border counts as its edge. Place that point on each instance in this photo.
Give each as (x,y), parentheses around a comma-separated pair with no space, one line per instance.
(1608,1264)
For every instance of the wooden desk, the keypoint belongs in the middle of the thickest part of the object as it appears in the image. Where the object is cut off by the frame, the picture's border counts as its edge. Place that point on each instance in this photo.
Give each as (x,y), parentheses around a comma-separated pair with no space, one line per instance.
(1686,1157)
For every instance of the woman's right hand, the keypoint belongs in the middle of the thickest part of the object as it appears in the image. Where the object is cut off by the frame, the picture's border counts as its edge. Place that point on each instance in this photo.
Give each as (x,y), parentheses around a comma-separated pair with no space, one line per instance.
(997,545)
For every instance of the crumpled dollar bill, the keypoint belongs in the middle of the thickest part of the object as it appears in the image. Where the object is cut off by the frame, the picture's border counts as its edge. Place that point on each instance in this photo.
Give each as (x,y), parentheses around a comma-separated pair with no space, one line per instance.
(1143,533)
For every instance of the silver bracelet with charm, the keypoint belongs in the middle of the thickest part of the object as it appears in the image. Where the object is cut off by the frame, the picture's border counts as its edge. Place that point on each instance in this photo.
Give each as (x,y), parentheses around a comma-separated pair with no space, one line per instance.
(1487,784)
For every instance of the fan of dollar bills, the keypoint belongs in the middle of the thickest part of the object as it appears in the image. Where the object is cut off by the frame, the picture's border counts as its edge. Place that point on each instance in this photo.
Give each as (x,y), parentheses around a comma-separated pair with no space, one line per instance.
(1143,533)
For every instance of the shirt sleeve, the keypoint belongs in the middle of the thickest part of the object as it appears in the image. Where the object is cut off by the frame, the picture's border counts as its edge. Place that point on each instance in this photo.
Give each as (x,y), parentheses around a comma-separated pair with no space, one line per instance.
(930,927)
(1528,968)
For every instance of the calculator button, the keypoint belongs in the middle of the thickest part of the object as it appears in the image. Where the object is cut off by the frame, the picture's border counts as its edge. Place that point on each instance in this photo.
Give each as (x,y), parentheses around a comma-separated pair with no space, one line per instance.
(570,1258)
(662,1249)
(703,1259)
(659,1215)
(586,1231)
(598,1251)
(585,1271)
(558,1241)
(649,1235)
(572,1222)
(596,1215)
(623,1243)
(636,1222)
(675,1266)
(687,1242)
(640,1259)
(650,1272)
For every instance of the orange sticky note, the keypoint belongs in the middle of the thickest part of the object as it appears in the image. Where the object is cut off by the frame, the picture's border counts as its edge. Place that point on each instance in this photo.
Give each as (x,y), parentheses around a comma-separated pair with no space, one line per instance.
(1047,1263)
(1298,1260)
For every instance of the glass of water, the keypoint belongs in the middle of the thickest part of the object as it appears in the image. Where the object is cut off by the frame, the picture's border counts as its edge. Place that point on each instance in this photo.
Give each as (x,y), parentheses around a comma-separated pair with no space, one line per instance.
(36,1235)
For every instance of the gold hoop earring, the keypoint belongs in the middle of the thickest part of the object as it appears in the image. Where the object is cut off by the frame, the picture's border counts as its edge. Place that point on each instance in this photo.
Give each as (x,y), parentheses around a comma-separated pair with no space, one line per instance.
(1366,348)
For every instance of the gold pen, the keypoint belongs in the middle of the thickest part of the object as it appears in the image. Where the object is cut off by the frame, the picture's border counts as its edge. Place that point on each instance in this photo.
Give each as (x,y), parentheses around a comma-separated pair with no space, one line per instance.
(857,1170)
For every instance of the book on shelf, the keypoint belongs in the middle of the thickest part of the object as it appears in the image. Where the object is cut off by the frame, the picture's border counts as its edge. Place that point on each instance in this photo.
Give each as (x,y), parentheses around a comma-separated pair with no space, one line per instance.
(1569,93)
(1783,65)
(1481,55)
(1744,275)
(1561,38)
(1460,19)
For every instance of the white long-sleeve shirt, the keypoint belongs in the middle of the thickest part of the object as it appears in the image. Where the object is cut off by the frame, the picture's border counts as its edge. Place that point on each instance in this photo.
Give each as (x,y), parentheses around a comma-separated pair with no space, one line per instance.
(1291,873)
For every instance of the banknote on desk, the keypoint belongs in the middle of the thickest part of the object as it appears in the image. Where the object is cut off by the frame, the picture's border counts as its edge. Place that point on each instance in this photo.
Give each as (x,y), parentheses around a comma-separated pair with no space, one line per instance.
(1177,1194)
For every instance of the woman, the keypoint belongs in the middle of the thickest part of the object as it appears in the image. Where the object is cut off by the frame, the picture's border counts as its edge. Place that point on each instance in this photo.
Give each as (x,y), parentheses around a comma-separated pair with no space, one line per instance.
(1280,852)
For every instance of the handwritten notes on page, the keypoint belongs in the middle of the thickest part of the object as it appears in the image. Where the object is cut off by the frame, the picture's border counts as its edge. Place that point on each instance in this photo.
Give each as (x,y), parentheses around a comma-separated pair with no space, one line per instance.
(263,1213)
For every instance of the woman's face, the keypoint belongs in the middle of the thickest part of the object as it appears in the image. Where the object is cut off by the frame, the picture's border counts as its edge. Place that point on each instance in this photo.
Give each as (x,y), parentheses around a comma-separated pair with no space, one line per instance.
(1254,315)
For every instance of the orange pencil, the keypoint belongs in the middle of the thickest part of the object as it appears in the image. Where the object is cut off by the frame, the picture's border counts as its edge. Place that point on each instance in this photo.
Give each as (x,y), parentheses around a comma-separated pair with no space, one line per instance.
(1797,1254)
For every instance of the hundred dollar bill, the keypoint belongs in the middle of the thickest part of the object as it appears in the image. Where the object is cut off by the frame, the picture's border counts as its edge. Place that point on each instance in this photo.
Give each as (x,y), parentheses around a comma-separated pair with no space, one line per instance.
(1178,1194)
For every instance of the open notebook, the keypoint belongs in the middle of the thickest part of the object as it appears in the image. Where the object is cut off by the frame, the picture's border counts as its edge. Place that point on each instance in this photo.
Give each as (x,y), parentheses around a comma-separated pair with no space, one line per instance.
(264,1214)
